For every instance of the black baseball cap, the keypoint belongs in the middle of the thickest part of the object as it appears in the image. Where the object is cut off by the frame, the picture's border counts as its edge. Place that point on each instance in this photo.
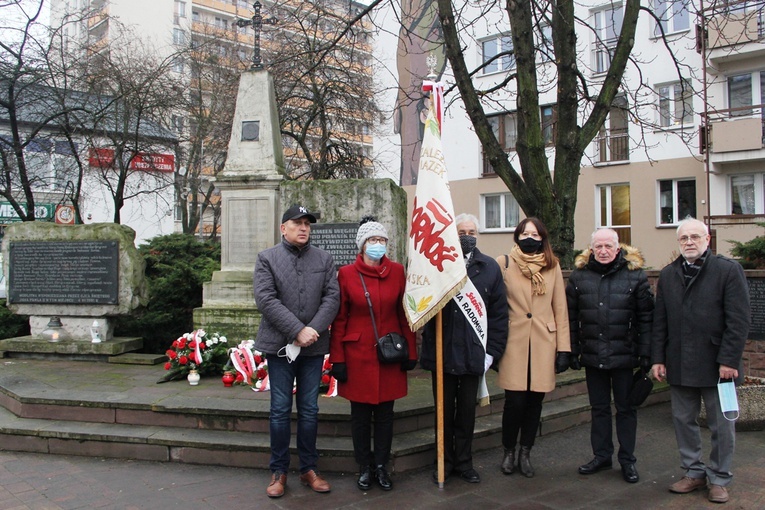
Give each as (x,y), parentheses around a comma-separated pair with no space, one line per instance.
(297,211)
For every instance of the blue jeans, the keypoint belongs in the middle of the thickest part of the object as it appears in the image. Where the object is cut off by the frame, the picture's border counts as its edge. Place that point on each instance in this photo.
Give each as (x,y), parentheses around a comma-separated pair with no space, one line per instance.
(281,374)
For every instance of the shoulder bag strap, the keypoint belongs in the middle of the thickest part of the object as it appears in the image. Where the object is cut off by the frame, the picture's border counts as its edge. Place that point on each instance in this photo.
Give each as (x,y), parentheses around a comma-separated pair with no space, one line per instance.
(369,302)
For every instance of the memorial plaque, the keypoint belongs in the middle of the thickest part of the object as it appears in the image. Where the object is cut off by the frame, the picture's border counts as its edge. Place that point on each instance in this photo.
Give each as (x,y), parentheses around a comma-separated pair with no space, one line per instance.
(339,239)
(63,272)
(757,302)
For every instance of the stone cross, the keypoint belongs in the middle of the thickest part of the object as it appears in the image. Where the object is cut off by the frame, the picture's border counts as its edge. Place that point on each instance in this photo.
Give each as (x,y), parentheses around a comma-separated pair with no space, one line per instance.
(257,23)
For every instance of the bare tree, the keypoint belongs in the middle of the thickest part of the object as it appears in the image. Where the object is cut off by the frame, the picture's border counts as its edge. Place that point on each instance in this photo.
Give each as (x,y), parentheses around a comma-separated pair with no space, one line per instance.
(320,57)
(213,63)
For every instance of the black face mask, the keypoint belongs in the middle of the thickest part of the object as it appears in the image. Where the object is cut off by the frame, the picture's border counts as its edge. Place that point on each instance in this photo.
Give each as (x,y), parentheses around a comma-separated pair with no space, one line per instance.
(529,245)
(467,243)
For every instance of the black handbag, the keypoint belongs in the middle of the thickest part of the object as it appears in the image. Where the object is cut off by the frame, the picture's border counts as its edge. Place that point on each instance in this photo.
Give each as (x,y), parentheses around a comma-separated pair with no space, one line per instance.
(642,385)
(391,348)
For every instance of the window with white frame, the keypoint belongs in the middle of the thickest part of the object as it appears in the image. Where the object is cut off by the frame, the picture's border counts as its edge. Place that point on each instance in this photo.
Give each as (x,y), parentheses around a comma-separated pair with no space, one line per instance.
(607,25)
(613,210)
(675,104)
(180,9)
(747,89)
(674,16)
(746,194)
(179,37)
(613,141)
(500,211)
(546,52)
(677,200)
(492,47)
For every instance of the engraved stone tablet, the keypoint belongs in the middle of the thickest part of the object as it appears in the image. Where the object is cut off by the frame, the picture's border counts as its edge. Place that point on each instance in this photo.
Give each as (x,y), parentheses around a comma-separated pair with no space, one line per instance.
(250,130)
(64,272)
(339,239)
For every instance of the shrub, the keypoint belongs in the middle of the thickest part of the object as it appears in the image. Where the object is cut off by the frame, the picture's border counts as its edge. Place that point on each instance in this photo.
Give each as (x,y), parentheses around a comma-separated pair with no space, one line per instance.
(12,325)
(176,267)
(752,252)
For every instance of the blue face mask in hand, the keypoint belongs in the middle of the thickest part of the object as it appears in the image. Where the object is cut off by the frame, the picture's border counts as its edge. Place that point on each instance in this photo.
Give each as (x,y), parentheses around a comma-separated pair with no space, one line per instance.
(726,390)
(375,251)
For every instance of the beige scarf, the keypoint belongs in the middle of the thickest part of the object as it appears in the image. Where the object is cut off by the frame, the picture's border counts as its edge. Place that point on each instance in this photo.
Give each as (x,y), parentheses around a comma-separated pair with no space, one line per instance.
(530,265)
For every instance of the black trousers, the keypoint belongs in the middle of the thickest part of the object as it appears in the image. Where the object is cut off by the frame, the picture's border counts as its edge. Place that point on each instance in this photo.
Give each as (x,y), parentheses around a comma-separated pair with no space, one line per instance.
(522,413)
(460,394)
(363,417)
(600,383)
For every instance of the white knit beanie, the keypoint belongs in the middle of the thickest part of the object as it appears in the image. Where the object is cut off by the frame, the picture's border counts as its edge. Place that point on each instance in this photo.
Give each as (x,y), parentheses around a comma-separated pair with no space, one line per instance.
(370,229)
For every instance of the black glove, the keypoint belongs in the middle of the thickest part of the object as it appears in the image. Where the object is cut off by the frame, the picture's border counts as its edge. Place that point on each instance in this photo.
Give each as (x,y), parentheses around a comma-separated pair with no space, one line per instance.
(645,364)
(408,365)
(561,362)
(339,371)
(574,362)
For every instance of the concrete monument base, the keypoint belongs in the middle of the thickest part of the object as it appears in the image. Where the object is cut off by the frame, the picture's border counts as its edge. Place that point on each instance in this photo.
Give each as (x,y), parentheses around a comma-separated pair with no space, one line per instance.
(83,350)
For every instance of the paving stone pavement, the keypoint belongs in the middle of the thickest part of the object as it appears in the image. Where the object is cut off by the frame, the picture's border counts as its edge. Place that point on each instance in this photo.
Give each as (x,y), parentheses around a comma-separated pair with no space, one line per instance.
(50,482)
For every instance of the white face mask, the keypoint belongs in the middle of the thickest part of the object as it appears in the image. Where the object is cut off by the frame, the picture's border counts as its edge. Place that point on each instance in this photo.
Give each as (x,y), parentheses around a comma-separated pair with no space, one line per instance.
(291,351)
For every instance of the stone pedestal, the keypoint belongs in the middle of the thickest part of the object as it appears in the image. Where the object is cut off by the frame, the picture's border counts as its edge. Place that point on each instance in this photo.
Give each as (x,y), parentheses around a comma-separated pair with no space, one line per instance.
(250,208)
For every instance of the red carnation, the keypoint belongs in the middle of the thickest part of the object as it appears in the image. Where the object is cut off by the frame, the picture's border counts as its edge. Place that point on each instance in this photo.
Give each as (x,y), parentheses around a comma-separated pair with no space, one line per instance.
(325,379)
(258,360)
(262,373)
(183,360)
(171,354)
(168,366)
(181,343)
(193,344)
(202,346)
(239,377)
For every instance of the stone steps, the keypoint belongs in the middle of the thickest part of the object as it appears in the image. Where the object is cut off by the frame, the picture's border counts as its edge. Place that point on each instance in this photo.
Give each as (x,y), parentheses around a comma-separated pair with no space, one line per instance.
(220,432)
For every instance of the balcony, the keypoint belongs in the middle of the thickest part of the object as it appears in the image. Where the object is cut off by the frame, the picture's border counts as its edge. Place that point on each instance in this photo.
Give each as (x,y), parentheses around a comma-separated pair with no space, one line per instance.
(735,135)
(612,146)
(736,35)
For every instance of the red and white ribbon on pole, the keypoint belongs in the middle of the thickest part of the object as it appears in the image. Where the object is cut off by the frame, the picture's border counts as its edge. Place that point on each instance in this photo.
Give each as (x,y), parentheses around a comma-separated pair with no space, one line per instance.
(436,90)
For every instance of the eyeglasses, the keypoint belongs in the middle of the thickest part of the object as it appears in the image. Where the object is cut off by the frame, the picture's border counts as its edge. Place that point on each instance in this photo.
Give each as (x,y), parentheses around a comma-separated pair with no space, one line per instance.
(695,238)
(377,240)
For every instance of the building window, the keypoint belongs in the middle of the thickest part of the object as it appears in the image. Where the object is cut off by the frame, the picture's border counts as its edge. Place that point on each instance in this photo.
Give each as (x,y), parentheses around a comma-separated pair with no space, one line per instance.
(500,211)
(612,142)
(180,9)
(675,104)
(549,118)
(673,15)
(546,51)
(607,24)
(677,200)
(613,209)
(179,37)
(506,131)
(490,48)
(746,194)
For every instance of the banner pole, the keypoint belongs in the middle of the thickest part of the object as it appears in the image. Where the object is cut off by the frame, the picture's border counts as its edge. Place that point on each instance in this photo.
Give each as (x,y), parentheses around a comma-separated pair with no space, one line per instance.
(440,399)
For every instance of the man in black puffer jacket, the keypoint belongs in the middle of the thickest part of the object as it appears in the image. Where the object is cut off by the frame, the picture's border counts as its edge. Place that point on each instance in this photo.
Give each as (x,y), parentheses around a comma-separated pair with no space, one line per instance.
(610,307)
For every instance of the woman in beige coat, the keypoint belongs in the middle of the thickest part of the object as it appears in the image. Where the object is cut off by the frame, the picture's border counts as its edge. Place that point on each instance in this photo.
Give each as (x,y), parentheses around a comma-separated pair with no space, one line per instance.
(538,344)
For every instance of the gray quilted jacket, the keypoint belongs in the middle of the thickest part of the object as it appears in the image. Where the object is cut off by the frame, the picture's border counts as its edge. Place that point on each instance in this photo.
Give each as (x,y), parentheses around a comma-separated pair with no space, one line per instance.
(295,287)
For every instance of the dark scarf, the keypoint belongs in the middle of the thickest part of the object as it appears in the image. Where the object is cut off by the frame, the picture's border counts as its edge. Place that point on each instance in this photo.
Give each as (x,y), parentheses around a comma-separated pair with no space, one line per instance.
(691,269)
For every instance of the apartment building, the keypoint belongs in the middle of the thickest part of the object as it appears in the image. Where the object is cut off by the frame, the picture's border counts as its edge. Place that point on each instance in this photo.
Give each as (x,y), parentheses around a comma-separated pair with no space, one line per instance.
(212,29)
(684,137)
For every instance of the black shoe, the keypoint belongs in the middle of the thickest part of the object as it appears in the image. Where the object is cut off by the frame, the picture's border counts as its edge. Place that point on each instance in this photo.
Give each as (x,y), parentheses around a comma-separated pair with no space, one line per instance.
(508,462)
(524,462)
(630,474)
(470,476)
(365,478)
(594,466)
(383,478)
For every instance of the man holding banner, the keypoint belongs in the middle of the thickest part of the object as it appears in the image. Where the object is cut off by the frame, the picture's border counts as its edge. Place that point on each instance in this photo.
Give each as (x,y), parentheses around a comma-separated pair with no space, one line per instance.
(471,345)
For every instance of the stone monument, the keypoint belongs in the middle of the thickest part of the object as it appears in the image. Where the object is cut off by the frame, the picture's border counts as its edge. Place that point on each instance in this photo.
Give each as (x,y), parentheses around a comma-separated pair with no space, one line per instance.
(72,281)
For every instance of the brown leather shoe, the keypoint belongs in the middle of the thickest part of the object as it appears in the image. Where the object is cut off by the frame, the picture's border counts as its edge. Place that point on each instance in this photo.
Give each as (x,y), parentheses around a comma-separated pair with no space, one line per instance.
(687,484)
(718,493)
(314,481)
(276,487)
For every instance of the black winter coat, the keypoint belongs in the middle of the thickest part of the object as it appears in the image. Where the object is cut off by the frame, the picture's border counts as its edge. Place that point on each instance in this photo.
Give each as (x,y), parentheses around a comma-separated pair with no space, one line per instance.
(702,326)
(463,352)
(610,314)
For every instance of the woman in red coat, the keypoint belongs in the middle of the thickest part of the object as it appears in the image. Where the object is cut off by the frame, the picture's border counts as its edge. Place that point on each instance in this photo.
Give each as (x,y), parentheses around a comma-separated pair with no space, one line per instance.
(370,386)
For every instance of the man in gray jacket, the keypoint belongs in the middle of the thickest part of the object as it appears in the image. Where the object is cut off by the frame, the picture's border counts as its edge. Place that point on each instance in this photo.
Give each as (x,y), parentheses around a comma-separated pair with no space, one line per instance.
(297,294)
(700,326)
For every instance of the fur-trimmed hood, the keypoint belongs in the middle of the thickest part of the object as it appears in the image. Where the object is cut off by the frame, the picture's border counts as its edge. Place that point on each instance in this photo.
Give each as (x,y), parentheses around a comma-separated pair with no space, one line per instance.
(630,254)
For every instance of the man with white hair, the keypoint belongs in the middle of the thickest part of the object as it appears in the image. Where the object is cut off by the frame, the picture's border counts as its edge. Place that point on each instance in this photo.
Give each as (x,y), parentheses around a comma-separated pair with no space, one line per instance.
(700,326)
(610,309)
